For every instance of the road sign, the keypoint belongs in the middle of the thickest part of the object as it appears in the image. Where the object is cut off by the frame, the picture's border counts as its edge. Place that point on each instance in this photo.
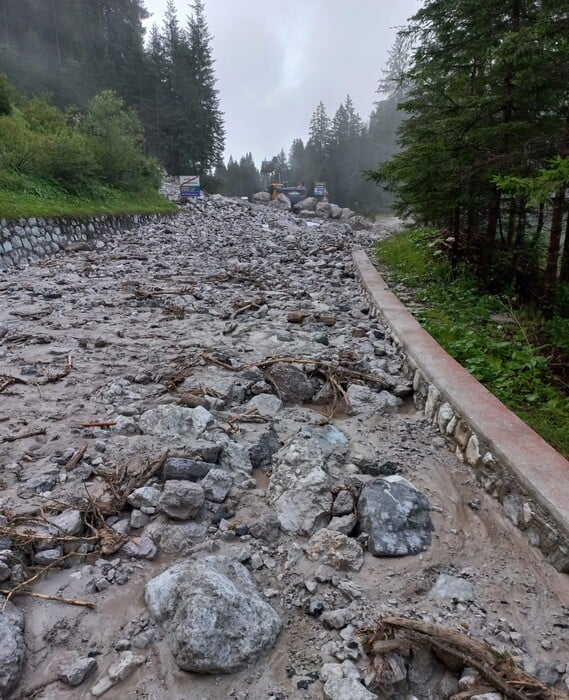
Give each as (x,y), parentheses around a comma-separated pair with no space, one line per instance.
(190,186)
(319,189)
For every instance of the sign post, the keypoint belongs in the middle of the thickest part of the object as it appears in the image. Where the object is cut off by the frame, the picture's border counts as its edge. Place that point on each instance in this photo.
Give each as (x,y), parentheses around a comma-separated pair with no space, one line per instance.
(190,186)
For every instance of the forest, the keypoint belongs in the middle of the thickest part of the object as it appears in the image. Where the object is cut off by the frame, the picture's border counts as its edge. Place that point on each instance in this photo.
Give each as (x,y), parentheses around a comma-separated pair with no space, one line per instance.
(485,143)
(339,151)
(73,51)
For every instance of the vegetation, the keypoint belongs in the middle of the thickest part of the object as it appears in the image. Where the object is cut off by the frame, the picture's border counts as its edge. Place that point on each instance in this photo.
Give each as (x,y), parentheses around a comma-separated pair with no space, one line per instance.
(516,353)
(485,143)
(75,50)
(54,163)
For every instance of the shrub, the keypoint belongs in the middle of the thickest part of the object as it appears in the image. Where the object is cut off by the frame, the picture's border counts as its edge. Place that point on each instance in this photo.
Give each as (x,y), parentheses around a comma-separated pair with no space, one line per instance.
(5,95)
(18,145)
(67,157)
(115,134)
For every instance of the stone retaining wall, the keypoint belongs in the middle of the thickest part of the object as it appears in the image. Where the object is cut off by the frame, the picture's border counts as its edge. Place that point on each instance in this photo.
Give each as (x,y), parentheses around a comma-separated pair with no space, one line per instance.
(509,459)
(28,240)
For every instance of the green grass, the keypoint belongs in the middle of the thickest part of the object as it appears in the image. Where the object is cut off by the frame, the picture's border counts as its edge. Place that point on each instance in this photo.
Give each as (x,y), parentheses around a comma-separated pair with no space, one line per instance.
(24,197)
(488,335)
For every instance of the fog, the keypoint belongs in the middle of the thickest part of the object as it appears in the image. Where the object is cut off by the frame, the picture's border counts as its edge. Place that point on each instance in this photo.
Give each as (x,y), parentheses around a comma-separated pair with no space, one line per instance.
(275,62)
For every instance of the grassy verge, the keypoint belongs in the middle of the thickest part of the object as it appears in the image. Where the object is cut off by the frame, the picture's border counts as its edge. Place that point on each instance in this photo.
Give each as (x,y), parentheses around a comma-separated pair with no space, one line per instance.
(494,340)
(43,198)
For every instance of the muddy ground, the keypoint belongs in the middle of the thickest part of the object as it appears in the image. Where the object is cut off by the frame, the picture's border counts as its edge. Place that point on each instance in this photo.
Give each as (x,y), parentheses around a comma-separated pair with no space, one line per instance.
(131,325)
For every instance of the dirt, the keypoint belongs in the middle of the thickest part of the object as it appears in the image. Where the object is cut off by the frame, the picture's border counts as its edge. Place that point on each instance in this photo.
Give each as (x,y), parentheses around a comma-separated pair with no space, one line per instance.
(155,300)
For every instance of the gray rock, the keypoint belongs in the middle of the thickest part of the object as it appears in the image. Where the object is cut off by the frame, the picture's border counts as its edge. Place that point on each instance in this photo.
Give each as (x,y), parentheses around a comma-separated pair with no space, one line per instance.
(300,488)
(266,527)
(214,618)
(185,469)
(396,517)
(261,453)
(73,673)
(235,457)
(139,548)
(216,485)
(138,519)
(174,421)
(308,204)
(344,688)
(261,198)
(266,405)
(336,550)
(328,438)
(344,503)
(4,571)
(174,537)
(144,497)
(367,402)
(292,383)
(48,556)
(70,522)
(453,588)
(323,209)
(117,672)
(343,523)
(338,619)
(12,649)
(181,500)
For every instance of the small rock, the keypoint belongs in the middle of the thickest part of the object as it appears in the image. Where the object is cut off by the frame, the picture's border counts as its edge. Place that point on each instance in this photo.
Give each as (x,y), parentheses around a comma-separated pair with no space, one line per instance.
(139,548)
(144,497)
(180,469)
(181,500)
(266,405)
(216,485)
(117,672)
(73,673)
(344,688)
(344,503)
(453,588)
(336,550)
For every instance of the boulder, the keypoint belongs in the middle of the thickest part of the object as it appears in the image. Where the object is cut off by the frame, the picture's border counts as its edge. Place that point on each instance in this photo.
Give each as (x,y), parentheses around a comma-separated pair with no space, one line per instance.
(323,209)
(181,500)
(308,204)
(335,211)
(183,469)
(281,202)
(396,517)
(300,488)
(344,688)
(174,421)
(12,650)
(336,550)
(365,401)
(453,588)
(216,485)
(265,405)
(213,616)
(292,383)
(261,198)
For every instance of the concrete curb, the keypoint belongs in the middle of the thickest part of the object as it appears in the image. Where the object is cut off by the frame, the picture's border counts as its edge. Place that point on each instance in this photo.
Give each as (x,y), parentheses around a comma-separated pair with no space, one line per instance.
(513,463)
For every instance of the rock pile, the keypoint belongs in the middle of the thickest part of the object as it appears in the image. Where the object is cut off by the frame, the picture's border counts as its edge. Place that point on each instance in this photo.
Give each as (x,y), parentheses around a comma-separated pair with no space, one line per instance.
(206,438)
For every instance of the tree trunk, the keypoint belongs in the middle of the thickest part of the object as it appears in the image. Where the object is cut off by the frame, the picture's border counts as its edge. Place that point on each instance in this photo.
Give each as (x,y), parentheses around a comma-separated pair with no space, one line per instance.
(552,267)
(564,277)
(491,230)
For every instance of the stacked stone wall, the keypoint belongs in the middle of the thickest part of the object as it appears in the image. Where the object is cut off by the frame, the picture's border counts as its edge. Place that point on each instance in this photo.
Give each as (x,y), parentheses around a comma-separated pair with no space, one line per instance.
(27,241)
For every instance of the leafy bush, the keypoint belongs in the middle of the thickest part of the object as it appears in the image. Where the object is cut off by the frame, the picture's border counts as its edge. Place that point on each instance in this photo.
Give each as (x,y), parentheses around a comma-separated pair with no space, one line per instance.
(5,95)
(18,145)
(115,134)
(66,156)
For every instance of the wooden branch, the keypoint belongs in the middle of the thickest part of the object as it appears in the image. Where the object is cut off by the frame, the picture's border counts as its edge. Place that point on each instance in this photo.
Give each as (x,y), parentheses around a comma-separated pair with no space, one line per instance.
(57,598)
(99,424)
(21,436)
(76,458)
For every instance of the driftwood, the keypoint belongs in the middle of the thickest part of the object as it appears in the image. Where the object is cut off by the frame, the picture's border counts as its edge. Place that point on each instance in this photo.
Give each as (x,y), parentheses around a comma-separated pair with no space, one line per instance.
(22,436)
(76,458)
(498,671)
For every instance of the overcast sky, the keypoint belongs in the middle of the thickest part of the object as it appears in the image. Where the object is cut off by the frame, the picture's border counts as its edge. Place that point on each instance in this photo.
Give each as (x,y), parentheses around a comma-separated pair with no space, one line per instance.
(276,60)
